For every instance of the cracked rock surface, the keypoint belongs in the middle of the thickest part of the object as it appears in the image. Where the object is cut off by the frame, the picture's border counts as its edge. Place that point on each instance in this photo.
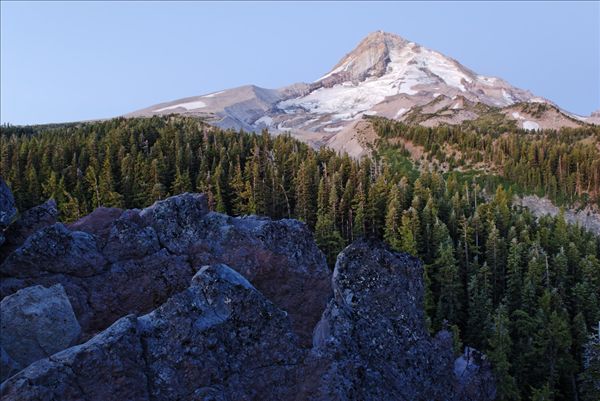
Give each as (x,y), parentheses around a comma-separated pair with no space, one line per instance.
(35,323)
(371,343)
(114,262)
(219,339)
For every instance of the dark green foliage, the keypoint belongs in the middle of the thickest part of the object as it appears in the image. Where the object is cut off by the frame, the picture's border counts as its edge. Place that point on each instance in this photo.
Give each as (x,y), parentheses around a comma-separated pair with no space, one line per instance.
(563,165)
(524,290)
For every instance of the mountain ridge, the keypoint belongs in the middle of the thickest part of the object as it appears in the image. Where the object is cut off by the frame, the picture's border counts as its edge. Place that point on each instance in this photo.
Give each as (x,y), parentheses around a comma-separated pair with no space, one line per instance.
(384,75)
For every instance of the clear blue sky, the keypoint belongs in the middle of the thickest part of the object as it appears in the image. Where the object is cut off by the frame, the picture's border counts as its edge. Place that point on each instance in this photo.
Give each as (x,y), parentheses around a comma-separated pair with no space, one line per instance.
(75,61)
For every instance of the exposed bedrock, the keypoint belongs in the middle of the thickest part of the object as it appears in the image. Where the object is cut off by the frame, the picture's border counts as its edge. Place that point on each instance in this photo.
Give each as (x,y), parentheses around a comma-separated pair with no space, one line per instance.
(113,262)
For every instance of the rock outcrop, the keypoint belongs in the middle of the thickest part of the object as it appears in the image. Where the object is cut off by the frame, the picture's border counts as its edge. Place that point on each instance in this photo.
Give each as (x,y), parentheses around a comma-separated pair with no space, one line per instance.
(35,323)
(113,262)
(28,223)
(371,343)
(220,339)
(588,218)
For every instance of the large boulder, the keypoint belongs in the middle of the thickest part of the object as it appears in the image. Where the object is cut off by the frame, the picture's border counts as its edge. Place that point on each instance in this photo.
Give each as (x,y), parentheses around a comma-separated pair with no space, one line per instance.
(110,366)
(279,257)
(8,211)
(129,238)
(55,249)
(35,323)
(28,223)
(220,339)
(372,343)
(124,287)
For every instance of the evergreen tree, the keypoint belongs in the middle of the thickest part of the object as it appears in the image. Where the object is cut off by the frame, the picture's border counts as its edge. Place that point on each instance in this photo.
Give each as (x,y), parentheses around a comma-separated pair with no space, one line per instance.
(480,307)
(392,222)
(499,354)
(450,290)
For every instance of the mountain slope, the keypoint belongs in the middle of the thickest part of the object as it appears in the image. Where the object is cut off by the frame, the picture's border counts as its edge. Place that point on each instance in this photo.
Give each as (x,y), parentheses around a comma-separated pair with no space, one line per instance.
(384,75)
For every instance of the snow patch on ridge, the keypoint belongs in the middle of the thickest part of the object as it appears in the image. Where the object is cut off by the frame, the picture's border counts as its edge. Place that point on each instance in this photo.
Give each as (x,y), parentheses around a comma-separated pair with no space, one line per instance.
(531,125)
(409,67)
(188,106)
(266,120)
(400,112)
(213,94)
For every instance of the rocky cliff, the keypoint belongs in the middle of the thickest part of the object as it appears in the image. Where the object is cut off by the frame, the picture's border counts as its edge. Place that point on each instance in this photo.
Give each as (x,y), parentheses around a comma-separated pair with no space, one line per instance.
(176,302)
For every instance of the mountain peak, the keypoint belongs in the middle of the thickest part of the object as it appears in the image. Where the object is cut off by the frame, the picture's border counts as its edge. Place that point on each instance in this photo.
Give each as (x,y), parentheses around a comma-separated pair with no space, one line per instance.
(370,58)
(381,35)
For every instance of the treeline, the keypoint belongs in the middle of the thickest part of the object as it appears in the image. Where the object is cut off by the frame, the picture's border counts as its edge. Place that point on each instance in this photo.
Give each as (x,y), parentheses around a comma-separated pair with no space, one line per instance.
(563,165)
(525,291)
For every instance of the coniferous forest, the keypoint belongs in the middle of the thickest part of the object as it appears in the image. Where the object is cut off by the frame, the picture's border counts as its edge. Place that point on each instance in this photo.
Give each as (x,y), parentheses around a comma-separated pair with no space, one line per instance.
(525,291)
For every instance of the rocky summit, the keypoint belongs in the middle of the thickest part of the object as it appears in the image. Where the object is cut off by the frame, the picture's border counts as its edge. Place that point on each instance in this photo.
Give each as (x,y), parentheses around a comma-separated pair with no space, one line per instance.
(385,75)
(175,302)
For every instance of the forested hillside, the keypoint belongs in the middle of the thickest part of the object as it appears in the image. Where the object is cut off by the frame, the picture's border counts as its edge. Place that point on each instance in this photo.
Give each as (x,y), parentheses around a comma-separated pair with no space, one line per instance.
(525,291)
(563,165)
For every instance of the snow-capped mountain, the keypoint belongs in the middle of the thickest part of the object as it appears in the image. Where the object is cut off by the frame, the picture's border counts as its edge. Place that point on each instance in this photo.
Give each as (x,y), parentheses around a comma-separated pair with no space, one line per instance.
(384,75)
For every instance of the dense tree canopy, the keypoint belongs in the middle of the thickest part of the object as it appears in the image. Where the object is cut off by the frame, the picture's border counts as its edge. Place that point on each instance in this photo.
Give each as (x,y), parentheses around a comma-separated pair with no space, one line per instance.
(563,165)
(524,290)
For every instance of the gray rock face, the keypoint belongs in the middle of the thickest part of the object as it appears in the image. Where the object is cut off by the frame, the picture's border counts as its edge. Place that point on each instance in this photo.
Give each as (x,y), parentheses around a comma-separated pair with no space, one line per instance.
(219,339)
(279,257)
(133,262)
(35,323)
(28,223)
(176,220)
(8,211)
(97,223)
(588,218)
(108,367)
(371,343)
(55,249)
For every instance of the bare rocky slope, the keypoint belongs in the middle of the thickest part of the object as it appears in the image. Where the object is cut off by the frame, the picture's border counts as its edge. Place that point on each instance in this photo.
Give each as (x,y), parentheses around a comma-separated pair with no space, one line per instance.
(175,302)
(385,75)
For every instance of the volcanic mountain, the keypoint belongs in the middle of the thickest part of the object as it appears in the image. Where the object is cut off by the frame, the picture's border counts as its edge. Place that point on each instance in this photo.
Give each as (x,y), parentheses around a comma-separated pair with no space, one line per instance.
(385,75)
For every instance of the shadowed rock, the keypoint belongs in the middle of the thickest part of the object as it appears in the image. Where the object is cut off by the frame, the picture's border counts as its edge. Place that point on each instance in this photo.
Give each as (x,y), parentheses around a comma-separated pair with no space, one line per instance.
(28,223)
(279,257)
(219,338)
(57,250)
(474,378)
(8,366)
(371,343)
(132,263)
(35,323)
(97,223)
(176,220)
